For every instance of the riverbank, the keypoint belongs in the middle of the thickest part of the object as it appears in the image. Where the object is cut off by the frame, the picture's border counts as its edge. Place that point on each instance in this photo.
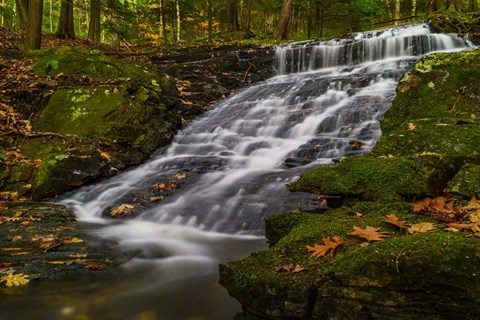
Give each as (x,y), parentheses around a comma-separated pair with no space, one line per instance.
(401,237)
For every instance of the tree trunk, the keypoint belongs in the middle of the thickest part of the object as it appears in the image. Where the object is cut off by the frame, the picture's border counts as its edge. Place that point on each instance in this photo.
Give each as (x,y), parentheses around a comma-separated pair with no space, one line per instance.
(472,5)
(33,38)
(457,4)
(233,24)
(179,21)
(65,28)
(282,28)
(210,20)
(22,9)
(94,31)
(397,11)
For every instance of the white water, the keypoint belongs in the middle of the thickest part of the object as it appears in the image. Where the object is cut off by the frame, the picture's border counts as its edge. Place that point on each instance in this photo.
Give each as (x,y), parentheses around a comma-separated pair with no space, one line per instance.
(324,104)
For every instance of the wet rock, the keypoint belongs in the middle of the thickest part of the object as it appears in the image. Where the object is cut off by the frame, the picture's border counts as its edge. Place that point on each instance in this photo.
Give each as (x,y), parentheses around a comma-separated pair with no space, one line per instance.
(45,242)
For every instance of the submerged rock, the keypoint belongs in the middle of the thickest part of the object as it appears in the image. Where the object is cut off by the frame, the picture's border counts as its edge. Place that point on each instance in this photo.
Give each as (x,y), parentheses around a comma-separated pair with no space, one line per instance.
(45,242)
(429,147)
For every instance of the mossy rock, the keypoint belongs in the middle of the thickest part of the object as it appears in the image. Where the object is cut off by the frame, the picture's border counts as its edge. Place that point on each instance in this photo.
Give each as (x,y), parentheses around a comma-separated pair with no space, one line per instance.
(81,61)
(367,178)
(437,108)
(466,182)
(402,275)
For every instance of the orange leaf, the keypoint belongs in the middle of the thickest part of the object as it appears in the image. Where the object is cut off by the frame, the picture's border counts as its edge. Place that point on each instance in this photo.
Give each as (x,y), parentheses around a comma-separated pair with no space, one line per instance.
(460,226)
(474,204)
(393,219)
(369,233)
(321,250)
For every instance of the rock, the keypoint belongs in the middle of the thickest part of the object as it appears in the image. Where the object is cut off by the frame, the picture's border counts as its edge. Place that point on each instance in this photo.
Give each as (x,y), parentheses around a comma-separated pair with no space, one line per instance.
(45,242)
(466,182)
(429,146)
(105,115)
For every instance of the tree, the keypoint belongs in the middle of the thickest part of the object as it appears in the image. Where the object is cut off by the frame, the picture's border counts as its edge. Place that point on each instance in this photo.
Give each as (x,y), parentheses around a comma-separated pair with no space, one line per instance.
(282,28)
(233,22)
(472,5)
(65,28)
(22,9)
(33,38)
(94,31)
(210,20)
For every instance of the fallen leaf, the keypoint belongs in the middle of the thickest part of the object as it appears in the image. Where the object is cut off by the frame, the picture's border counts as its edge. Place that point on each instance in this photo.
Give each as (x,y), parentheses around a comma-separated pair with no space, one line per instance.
(156,199)
(72,240)
(473,204)
(411,126)
(180,176)
(122,210)
(16,280)
(369,233)
(79,255)
(460,226)
(93,265)
(358,215)
(475,218)
(320,250)
(285,268)
(15,238)
(421,227)
(393,219)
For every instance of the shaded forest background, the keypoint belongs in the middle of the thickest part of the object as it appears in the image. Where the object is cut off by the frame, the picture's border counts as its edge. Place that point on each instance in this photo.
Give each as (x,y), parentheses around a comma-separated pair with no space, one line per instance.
(190,22)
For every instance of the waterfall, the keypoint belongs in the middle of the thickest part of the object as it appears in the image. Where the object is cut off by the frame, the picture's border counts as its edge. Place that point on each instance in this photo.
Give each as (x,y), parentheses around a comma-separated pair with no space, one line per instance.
(325,103)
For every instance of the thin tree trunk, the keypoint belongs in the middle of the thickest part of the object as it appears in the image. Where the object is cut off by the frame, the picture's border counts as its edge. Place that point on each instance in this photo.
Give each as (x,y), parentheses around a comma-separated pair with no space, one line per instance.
(179,21)
(94,29)
(397,11)
(210,20)
(472,5)
(33,38)
(22,9)
(282,28)
(233,24)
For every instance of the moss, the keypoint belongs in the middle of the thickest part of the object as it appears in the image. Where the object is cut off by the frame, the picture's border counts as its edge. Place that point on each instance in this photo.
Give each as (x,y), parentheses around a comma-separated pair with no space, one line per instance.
(81,111)
(20,172)
(85,62)
(46,169)
(466,182)
(366,178)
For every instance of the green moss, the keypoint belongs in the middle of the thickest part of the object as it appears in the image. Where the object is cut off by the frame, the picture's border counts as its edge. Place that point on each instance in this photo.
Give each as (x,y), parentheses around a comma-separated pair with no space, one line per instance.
(366,178)
(81,111)
(466,182)
(85,62)
(47,167)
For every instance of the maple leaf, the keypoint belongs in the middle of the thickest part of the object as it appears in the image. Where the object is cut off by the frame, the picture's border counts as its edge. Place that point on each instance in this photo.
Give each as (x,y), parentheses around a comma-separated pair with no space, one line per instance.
(320,250)
(122,210)
(411,126)
(115,89)
(421,205)
(421,227)
(3,207)
(12,279)
(474,204)
(369,233)
(393,219)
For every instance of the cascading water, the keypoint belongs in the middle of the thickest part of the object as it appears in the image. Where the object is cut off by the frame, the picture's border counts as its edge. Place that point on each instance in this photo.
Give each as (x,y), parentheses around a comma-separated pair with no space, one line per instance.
(325,103)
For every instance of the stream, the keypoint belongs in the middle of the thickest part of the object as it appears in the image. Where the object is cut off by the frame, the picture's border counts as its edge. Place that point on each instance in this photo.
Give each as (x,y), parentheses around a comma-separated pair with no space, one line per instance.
(234,163)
